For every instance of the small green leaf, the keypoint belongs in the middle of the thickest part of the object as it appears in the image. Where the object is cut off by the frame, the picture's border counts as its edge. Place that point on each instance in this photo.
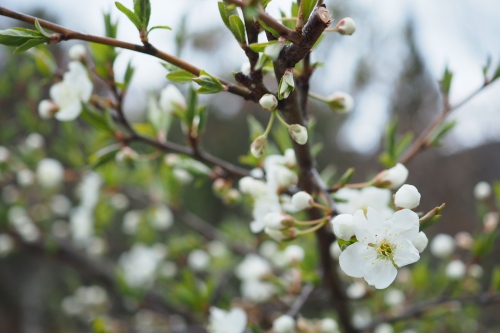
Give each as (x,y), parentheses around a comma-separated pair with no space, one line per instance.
(307,8)
(264,3)
(28,45)
(208,83)
(225,11)
(131,16)
(237,28)
(260,47)
(268,28)
(402,144)
(192,105)
(166,27)
(142,9)
(441,132)
(129,73)
(41,30)
(346,177)
(446,81)
(103,156)
(181,76)
(19,36)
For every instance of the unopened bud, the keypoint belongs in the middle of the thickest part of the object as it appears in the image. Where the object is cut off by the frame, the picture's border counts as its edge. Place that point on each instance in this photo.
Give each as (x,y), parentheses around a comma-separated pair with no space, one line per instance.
(273,50)
(284,324)
(464,240)
(281,235)
(343,226)
(346,26)
(407,197)
(232,196)
(482,191)
(490,222)
(287,84)
(455,270)
(302,200)
(47,109)
(340,102)
(221,185)
(268,102)
(298,133)
(246,68)
(290,159)
(126,154)
(257,146)
(77,52)
(393,177)
(278,220)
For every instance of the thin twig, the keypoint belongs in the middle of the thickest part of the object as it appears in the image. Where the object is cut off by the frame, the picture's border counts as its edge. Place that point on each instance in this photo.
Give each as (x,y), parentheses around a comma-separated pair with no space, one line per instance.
(297,305)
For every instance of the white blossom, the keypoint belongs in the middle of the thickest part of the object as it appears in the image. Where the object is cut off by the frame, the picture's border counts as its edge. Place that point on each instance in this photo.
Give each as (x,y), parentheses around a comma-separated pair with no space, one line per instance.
(60,204)
(74,89)
(198,260)
(407,197)
(88,189)
(328,325)
(420,242)
(464,240)
(290,159)
(277,220)
(482,190)
(252,186)
(268,102)
(139,265)
(77,52)
(346,26)
(455,270)
(298,133)
(490,221)
(374,197)
(246,68)
(257,146)
(476,271)
(257,291)
(217,248)
(170,98)
(277,235)
(34,141)
(395,176)
(161,217)
(268,248)
(182,176)
(253,267)
(343,226)
(284,324)
(120,201)
(4,154)
(47,109)
(340,102)
(131,221)
(294,253)
(442,246)
(302,200)
(394,297)
(356,290)
(25,177)
(383,328)
(221,321)
(382,246)
(49,173)
(81,221)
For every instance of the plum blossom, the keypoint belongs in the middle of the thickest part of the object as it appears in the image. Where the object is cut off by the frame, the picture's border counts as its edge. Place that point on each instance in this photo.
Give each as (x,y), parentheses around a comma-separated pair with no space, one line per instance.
(377,198)
(69,94)
(407,197)
(395,176)
(221,321)
(382,246)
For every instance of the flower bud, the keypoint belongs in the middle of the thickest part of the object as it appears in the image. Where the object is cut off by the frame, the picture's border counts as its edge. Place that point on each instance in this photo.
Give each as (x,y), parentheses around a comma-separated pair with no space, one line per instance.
(257,146)
(287,84)
(490,222)
(268,102)
(340,102)
(455,270)
(294,253)
(34,141)
(346,26)
(246,68)
(252,186)
(77,52)
(286,177)
(278,220)
(221,185)
(273,50)
(407,197)
(281,235)
(464,240)
(482,190)
(49,172)
(284,324)
(420,242)
(298,133)
(25,177)
(442,246)
(198,260)
(126,154)
(395,176)
(232,196)
(394,297)
(47,109)
(4,154)
(290,159)
(343,226)
(302,200)
(383,328)
(170,98)
(476,271)
(328,325)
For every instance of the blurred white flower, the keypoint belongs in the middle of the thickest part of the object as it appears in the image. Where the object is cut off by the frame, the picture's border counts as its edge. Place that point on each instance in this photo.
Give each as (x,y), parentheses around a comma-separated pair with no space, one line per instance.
(290,159)
(47,109)
(23,224)
(328,325)
(253,267)
(361,317)
(170,98)
(442,246)
(420,242)
(4,154)
(161,217)
(49,173)
(6,244)
(34,141)
(81,221)
(482,190)
(131,221)
(69,94)
(383,328)
(395,176)
(221,321)
(464,240)
(284,324)
(120,201)
(88,189)
(25,177)
(217,249)
(394,297)
(139,265)
(77,52)
(169,269)
(198,260)
(60,204)
(356,290)
(182,176)
(376,198)
(278,220)
(256,291)
(346,26)
(476,271)
(490,221)
(302,200)
(455,270)
(407,197)
(294,253)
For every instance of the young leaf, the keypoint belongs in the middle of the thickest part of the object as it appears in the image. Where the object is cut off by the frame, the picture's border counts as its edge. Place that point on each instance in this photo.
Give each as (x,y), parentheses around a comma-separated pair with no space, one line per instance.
(237,28)
(209,84)
(307,8)
(28,45)
(441,132)
(191,107)
(268,28)
(181,76)
(264,3)
(131,16)
(446,81)
(19,36)
(41,30)
(142,9)
(346,177)
(166,27)
(129,73)
(260,47)
(402,144)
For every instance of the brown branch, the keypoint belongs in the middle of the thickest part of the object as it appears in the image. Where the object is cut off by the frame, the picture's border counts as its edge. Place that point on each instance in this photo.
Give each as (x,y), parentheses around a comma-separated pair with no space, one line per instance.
(422,141)
(420,310)
(67,34)
(297,305)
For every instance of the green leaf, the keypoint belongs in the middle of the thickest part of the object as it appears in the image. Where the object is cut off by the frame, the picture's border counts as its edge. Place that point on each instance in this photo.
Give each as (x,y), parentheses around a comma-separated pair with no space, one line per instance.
(260,47)
(288,23)
(131,16)
(95,118)
(166,27)
(223,13)
(19,36)
(402,144)
(264,3)
(129,73)
(44,61)
(237,28)
(181,76)
(191,107)
(28,45)
(103,156)
(208,83)
(346,177)
(495,279)
(268,28)
(441,132)
(142,9)
(111,28)
(446,81)
(41,30)
(307,8)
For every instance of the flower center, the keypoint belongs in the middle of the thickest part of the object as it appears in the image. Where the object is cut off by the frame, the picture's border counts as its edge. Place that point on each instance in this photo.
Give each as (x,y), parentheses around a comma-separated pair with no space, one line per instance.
(385,250)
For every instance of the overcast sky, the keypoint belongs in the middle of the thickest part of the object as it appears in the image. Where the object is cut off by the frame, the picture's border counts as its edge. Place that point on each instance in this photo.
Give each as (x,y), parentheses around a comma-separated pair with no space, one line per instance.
(460,33)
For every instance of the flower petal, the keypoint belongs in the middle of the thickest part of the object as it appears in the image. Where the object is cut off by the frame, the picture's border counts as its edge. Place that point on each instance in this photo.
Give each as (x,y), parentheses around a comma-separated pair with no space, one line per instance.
(69,112)
(356,258)
(404,223)
(375,218)
(381,274)
(363,229)
(406,253)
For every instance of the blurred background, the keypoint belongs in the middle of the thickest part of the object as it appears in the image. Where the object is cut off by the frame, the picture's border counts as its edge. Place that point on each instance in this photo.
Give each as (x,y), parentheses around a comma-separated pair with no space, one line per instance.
(391,66)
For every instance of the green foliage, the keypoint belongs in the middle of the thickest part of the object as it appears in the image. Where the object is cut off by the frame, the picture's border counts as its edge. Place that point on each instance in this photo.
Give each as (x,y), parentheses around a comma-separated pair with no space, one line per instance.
(181,76)
(130,14)
(208,84)
(142,8)
(440,132)
(446,81)
(24,38)
(394,147)
(346,177)
(307,7)
(238,29)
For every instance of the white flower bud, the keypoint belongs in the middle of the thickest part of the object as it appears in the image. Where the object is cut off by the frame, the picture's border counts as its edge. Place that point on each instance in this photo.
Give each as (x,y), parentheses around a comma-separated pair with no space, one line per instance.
(252,186)
(455,270)
(383,328)
(268,102)
(287,84)
(464,240)
(290,159)
(407,197)
(284,324)
(182,176)
(490,222)
(394,297)
(346,26)
(335,250)
(395,176)
(273,50)
(4,154)
(328,325)
(442,246)
(294,253)
(298,133)
(302,200)
(476,271)
(47,108)
(161,217)
(278,220)
(246,68)
(286,177)
(171,97)
(257,146)
(126,154)
(49,172)
(340,102)
(34,141)
(198,260)
(343,226)
(356,290)
(280,235)
(6,244)
(482,190)
(77,52)
(25,177)
(420,242)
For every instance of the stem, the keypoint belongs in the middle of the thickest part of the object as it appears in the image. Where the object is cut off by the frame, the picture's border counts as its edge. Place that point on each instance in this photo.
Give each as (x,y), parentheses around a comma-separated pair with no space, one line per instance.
(317,97)
(308,231)
(320,206)
(269,124)
(282,120)
(311,222)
